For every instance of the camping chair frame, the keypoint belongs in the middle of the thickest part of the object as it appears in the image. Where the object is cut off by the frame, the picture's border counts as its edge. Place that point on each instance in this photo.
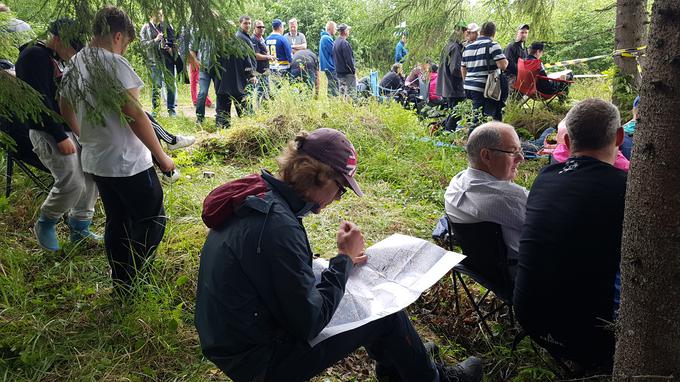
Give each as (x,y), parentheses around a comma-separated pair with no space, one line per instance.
(545,98)
(525,84)
(463,269)
(9,173)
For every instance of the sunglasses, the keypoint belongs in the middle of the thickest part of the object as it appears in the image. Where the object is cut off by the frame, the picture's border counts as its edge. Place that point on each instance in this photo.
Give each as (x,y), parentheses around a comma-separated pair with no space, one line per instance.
(260,27)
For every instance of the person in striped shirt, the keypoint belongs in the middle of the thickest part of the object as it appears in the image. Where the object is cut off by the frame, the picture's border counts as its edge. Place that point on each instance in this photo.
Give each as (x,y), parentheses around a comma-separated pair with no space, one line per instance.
(480,58)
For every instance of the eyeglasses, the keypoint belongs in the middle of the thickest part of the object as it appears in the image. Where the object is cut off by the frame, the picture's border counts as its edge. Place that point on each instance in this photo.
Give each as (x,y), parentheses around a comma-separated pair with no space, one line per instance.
(516,153)
(260,27)
(341,189)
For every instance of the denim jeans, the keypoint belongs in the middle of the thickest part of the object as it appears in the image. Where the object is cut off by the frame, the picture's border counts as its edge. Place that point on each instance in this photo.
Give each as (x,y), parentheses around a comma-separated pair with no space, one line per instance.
(162,75)
(332,83)
(262,87)
(347,85)
(204,79)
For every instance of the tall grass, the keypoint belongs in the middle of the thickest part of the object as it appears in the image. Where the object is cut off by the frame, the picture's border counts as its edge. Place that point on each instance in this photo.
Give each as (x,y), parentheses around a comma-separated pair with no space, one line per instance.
(58,319)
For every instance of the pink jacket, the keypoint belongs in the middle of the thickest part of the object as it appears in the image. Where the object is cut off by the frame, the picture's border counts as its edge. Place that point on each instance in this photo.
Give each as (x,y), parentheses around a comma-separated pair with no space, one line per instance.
(561,152)
(433,87)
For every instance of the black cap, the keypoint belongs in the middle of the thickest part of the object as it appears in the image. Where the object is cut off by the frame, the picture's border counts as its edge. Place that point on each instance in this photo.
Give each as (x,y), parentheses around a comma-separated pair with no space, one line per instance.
(69,31)
(523,26)
(537,46)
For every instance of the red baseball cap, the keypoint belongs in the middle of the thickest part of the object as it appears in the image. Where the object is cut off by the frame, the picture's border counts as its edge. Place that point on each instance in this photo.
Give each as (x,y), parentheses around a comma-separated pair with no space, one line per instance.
(332,147)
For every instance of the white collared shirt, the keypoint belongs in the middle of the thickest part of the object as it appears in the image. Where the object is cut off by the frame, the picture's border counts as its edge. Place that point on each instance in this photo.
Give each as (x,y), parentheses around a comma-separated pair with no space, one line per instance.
(475,196)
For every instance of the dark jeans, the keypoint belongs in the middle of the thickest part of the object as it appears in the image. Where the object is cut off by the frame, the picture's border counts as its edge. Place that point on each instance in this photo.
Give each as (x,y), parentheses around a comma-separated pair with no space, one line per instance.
(347,85)
(223,108)
(452,120)
(490,107)
(391,341)
(163,74)
(332,83)
(204,78)
(262,87)
(627,146)
(307,78)
(135,224)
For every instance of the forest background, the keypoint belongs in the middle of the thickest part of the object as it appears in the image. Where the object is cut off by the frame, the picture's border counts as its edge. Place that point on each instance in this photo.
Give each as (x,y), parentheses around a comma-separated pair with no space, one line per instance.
(57,320)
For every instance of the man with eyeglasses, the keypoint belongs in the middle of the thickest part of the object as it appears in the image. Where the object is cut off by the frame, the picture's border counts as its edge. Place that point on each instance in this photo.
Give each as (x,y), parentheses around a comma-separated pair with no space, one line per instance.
(485,192)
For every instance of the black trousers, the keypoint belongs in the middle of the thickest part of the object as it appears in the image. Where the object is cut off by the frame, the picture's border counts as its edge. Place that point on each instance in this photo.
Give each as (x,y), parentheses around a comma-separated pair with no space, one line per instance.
(135,224)
(588,342)
(223,108)
(391,341)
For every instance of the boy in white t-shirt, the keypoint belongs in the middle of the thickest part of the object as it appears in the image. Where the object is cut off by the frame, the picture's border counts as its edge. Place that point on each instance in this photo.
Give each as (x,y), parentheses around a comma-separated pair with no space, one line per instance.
(118,145)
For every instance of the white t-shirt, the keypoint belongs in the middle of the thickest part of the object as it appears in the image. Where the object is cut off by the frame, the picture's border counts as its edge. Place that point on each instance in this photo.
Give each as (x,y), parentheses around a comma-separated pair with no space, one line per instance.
(110,147)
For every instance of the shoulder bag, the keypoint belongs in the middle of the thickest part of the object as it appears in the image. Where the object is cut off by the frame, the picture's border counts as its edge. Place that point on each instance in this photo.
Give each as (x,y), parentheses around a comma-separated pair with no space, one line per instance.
(492,89)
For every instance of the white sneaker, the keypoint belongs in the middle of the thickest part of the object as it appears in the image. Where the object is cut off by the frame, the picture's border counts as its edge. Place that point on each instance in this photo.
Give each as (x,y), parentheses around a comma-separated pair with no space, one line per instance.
(182,141)
(169,178)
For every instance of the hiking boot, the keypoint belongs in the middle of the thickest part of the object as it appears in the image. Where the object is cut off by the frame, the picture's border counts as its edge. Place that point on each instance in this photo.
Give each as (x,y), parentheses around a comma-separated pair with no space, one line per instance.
(46,233)
(80,230)
(182,141)
(469,370)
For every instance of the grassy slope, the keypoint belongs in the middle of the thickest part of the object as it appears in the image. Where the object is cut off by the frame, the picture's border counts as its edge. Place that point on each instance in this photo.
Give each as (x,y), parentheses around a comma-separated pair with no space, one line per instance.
(59,322)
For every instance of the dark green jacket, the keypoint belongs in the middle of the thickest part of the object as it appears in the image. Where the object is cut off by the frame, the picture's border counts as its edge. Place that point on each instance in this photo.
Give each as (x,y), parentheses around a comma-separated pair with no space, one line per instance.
(256,288)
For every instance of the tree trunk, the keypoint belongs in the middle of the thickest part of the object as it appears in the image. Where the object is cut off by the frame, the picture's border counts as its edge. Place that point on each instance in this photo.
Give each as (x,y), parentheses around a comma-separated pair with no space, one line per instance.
(631,21)
(649,326)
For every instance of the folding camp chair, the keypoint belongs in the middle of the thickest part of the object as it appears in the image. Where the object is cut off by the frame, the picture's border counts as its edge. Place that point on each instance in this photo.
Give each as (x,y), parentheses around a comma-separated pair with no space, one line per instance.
(23,157)
(23,164)
(424,90)
(528,72)
(373,78)
(486,263)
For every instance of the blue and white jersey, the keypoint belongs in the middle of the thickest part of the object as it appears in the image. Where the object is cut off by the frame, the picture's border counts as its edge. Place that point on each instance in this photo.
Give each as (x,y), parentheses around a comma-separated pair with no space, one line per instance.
(479,63)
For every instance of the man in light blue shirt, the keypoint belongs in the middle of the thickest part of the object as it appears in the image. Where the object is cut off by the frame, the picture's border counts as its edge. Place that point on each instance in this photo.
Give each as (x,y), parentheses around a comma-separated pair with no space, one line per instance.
(400,50)
(326,57)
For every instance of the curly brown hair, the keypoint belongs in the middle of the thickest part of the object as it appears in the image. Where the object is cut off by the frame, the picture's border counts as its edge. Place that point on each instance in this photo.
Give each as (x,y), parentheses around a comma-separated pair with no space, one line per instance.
(301,171)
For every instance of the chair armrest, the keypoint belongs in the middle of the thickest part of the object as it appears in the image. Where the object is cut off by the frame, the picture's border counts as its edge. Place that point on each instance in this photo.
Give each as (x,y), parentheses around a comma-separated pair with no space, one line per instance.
(554,79)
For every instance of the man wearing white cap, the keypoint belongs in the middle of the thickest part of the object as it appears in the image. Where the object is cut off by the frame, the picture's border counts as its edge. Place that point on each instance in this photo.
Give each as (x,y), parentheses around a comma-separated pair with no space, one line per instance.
(471,33)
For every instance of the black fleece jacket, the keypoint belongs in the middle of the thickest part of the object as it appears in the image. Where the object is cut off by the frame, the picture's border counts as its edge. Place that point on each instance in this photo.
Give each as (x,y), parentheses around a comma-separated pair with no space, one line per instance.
(40,67)
(256,288)
(343,56)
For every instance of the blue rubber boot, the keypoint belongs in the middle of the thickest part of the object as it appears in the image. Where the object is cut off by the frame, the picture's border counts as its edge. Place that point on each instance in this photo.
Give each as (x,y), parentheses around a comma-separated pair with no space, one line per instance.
(46,233)
(80,230)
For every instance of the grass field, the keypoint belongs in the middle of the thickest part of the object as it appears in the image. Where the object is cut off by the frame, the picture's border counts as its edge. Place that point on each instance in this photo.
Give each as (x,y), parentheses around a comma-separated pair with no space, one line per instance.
(59,322)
